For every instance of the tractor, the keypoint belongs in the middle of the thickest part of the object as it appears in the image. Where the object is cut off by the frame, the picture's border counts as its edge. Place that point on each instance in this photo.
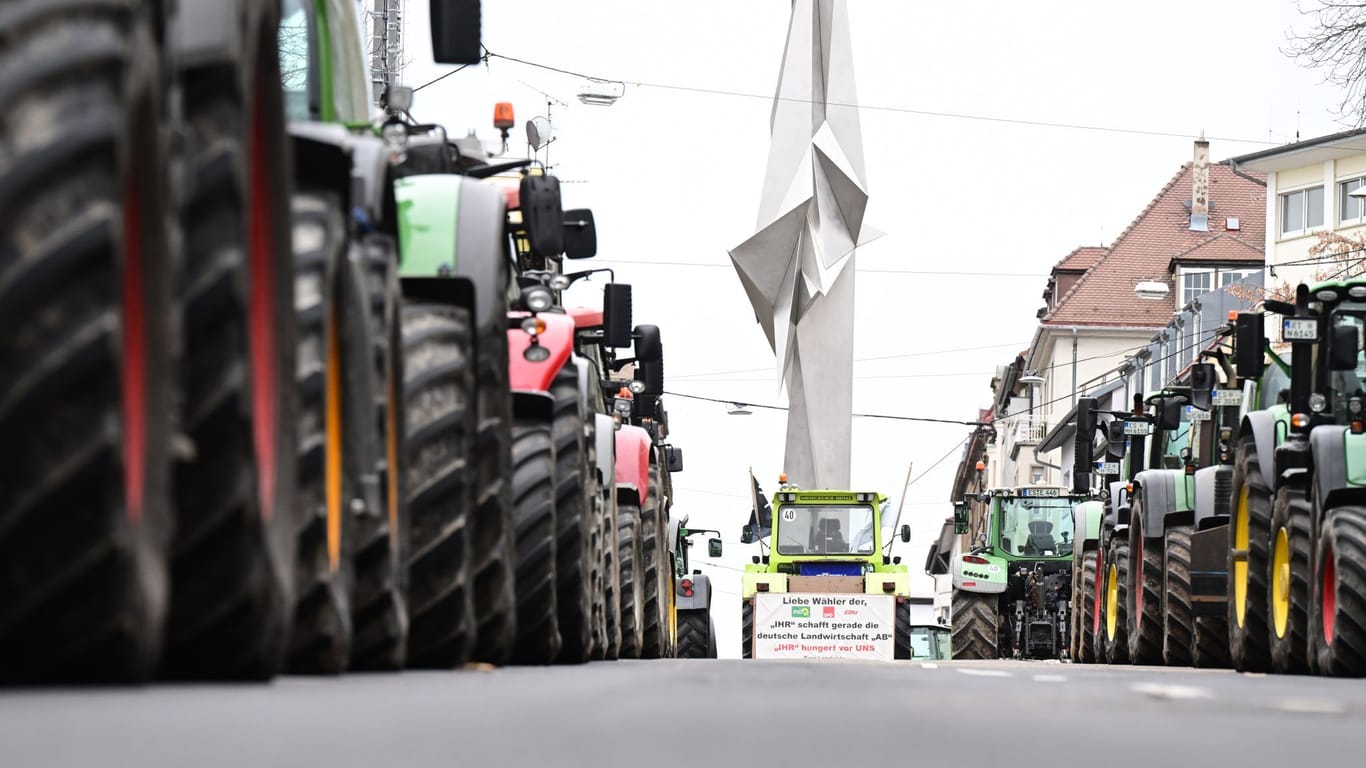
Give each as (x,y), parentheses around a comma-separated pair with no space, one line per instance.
(1011,590)
(696,632)
(825,587)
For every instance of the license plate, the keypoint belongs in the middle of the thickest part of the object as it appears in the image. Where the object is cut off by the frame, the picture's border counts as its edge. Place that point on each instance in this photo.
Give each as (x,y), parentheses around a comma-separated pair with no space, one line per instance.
(1300,329)
(1041,492)
(1223,397)
(1108,468)
(1138,428)
(1195,414)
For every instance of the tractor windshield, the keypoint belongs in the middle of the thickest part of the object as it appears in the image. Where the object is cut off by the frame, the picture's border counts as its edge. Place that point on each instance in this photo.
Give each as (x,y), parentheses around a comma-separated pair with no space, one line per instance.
(294,58)
(1039,527)
(808,529)
(1348,384)
(930,642)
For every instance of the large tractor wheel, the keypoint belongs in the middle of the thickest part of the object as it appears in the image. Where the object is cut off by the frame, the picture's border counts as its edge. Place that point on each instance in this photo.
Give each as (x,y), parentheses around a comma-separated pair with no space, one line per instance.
(1143,607)
(1177,619)
(492,529)
(1338,618)
(1249,563)
(630,560)
(335,432)
(611,577)
(694,635)
(533,483)
(747,628)
(976,623)
(658,580)
(901,633)
(600,566)
(1114,600)
(1209,642)
(438,373)
(234,552)
(87,348)
(1290,571)
(1087,610)
(576,490)
(379,607)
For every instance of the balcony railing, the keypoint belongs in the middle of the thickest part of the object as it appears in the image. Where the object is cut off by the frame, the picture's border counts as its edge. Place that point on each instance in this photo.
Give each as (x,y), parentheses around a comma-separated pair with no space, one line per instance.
(1024,431)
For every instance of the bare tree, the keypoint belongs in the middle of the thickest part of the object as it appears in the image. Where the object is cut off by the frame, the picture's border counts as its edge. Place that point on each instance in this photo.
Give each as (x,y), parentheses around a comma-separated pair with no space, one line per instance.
(1337,44)
(1333,257)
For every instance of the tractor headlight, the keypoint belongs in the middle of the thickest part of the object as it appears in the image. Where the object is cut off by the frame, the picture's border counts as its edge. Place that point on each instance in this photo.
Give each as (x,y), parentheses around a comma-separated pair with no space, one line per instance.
(1354,405)
(534,326)
(622,407)
(536,353)
(559,282)
(637,386)
(538,298)
(1318,403)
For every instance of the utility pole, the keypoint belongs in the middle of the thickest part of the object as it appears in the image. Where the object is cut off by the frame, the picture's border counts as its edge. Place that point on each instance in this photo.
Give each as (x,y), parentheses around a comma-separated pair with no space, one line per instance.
(386,45)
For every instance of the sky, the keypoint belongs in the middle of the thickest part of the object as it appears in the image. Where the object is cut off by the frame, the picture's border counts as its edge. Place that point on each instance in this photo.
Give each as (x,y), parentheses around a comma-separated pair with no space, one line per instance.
(977,197)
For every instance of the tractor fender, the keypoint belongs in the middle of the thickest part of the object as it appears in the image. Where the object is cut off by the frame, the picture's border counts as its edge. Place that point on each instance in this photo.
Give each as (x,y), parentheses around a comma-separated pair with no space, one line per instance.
(1117,510)
(1339,472)
(633,459)
(322,158)
(1086,518)
(1213,494)
(1162,499)
(558,338)
(604,438)
(701,593)
(453,227)
(1262,426)
(987,578)
(533,406)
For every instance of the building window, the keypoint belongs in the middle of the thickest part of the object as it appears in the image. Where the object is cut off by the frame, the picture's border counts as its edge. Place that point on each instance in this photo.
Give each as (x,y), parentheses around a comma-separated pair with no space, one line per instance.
(1350,208)
(1301,211)
(1195,282)
(1035,475)
(1228,277)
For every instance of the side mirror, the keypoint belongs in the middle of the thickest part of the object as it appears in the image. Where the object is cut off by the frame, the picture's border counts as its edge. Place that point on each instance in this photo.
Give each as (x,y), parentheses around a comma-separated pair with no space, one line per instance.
(1086,432)
(1343,355)
(648,346)
(616,315)
(455,31)
(748,535)
(580,234)
(905,534)
(1249,357)
(542,215)
(1169,414)
(398,98)
(713,547)
(1202,384)
(674,458)
(960,519)
(1119,442)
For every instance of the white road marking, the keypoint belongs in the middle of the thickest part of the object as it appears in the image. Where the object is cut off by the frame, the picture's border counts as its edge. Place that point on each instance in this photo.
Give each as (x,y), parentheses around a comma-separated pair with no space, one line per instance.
(1050,678)
(1175,692)
(986,672)
(1311,706)
(928,665)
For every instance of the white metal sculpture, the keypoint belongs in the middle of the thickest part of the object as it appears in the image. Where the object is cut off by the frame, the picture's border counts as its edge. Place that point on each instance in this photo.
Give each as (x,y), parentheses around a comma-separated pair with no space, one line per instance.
(798,268)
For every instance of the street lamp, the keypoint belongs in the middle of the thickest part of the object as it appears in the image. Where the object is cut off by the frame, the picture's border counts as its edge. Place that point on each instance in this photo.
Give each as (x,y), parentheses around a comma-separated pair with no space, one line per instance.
(1152,289)
(739,409)
(601,93)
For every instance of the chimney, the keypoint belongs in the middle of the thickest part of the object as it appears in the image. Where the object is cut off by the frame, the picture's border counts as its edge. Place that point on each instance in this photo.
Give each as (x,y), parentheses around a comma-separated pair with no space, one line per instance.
(1200,186)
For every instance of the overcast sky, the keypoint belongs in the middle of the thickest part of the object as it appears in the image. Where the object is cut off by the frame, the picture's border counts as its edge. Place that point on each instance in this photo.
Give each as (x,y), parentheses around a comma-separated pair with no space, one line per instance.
(674,175)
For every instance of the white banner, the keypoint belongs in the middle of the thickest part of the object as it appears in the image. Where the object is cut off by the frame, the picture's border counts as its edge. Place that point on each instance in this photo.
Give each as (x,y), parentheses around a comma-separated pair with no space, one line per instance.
(800,626)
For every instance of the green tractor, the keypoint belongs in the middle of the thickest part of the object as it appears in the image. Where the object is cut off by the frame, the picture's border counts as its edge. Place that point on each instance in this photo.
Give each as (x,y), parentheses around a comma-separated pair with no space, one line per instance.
(1299,534)
(825,587)
(1011,590)
(695,631)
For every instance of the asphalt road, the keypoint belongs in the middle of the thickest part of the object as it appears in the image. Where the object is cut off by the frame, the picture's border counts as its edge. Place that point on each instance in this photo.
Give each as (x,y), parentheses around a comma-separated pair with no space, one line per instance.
(701,713)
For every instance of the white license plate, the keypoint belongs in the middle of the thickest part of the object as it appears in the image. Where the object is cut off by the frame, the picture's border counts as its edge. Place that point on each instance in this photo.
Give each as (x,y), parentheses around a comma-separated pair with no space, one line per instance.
(1300,329)
(1195,414)
(1137,428)
(1223,397)
(1108,468)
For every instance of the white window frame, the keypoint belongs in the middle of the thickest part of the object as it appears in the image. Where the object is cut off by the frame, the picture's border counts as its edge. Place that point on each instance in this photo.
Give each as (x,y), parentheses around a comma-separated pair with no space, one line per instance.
(1283,197)
(1181,298)
(1344,199)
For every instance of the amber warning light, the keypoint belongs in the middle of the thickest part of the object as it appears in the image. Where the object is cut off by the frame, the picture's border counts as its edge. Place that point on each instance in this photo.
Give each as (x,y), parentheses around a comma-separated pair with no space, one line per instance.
(503,118)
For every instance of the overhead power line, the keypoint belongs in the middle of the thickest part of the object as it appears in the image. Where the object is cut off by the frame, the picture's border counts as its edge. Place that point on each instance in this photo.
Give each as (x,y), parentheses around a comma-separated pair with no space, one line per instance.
(893,417)
(879,107)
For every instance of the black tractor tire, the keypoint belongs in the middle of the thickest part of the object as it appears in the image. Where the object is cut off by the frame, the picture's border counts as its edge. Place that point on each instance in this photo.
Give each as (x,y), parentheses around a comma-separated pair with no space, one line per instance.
(533,483)
(575,504)
(234,551)
(88,348)
(1248,626)
(694,635)
(1178,622)
(658,578)
(1338,618)
(711,639)
(438,390)
(1292,515)
(379,607)
(1086,607)
(600,565)
(976,626)
(630,562)
(1116,569)
(1143,605)
(1209,643)
(611,581)
(493,526)
(901,634)
(747,628)
(1074,617)
(335,432)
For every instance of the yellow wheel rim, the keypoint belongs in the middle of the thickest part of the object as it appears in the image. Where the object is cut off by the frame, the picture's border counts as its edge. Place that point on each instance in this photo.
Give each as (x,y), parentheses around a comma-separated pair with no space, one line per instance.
(332,473)
(1240,541)
(1111,602)
(1280,582)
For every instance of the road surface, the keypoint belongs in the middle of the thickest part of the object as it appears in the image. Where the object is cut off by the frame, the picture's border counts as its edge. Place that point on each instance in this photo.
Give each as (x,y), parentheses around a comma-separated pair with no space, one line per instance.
(699,713)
